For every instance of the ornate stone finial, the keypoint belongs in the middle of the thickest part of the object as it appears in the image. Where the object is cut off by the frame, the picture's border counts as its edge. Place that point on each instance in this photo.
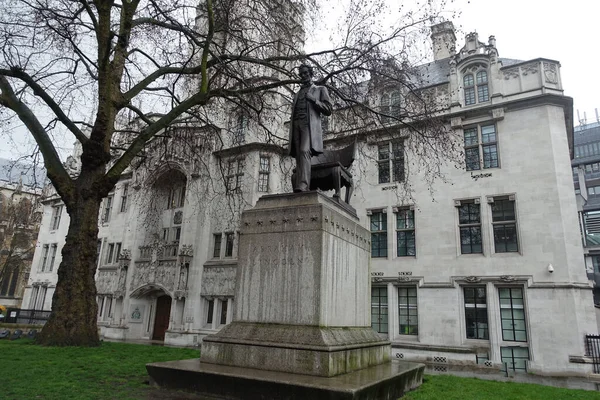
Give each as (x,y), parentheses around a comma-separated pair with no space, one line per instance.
(125,255)
(72,166)
(186,250)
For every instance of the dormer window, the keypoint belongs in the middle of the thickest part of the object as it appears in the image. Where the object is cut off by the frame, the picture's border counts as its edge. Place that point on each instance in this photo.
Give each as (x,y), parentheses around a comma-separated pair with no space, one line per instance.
(390,106)
(476,88)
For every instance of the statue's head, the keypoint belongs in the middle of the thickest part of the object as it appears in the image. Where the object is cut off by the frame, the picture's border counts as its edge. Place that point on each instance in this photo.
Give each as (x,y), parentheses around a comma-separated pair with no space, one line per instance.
(306,73)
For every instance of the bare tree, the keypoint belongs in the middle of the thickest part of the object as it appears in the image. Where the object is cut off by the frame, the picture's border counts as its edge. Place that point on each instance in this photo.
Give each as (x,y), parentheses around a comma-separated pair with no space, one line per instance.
(150,64)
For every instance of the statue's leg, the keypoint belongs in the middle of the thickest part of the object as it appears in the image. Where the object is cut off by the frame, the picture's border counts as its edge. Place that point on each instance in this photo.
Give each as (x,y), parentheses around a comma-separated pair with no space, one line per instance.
(349,190)
(337,181)
(303,157)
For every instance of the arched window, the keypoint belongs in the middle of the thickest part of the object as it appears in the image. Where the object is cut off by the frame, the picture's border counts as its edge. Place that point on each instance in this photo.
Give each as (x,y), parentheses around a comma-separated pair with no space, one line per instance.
(384,107)
(469,86)
(476,88)
(482,87)
(395,104)
(390,106)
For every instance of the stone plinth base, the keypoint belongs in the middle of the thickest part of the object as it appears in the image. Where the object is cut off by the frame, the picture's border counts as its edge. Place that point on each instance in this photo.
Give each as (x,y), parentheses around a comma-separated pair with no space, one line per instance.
(311,350)
(387,381)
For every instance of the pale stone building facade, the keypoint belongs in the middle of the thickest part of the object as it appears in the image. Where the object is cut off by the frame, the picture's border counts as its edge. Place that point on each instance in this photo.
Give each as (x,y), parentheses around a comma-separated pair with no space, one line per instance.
(482,267)
(20,213)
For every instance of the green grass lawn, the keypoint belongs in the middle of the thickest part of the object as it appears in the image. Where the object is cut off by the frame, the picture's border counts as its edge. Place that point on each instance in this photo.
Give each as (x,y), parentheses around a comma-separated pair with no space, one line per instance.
(117,371)
(111,371)
(446,387)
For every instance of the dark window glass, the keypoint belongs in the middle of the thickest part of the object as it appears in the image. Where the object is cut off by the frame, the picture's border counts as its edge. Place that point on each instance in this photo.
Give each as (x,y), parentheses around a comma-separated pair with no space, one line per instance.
(217,248)
(378,234)
(469,222)
(476,312)
(379,309)
(229,245)
(512,314)
(223,320)
(211,308)
(407,310)
(405,231)
(505,226)
(514,358)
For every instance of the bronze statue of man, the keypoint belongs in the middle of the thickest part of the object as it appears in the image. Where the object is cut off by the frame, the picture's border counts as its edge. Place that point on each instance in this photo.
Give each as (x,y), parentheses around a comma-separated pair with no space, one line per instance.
(306,134)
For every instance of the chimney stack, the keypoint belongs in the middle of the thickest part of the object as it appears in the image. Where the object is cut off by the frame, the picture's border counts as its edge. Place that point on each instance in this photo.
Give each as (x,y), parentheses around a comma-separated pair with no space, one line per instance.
(444,40)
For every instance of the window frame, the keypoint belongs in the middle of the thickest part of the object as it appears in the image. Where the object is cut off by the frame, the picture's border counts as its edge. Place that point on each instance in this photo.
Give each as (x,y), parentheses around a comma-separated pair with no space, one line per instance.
(229,243)
(45,252)
(379,306)
(210,309)
(53,249)
(484,156)
(378,236)
(107,209)
(393,164)
(124,194)
(406,229)
(408,329)
(492,201)
(390,106)
(112,253)
(242,123)
(264,171)
(234,173)
(476,90)
(56,216)
(217,239)
(470,225)
(510,327)
(476,306)
(223,311)
(176,197)
(513,358)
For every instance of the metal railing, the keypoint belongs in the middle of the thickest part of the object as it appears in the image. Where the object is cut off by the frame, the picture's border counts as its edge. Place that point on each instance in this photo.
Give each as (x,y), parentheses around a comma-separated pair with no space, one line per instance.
(29,317)
(592,349)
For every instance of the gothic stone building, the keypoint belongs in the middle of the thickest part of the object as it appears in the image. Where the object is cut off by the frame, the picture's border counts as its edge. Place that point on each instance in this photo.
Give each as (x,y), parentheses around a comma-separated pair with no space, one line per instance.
(484,267)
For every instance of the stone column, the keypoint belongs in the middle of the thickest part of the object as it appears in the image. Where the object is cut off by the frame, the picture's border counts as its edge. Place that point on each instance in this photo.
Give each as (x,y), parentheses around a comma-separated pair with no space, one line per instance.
(494,323)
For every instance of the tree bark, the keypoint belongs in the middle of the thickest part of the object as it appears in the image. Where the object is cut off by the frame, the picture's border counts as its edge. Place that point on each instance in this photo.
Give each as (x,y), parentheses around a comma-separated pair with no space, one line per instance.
(73,321)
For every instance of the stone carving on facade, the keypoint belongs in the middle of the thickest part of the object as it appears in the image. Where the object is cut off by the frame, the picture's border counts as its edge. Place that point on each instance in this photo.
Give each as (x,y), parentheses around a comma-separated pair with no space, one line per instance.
(178,217)
(498,113)
(218,281)
(507,278)
(186,250)
(404,279)
(155,272)
(456,122)
(529,69)
(107,281)
(511,73)
(472,279)
(137,179)
(124,258)
(550,72)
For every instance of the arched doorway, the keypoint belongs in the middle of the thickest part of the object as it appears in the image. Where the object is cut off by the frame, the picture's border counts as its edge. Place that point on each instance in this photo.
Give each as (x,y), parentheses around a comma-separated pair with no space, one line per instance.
(161,319)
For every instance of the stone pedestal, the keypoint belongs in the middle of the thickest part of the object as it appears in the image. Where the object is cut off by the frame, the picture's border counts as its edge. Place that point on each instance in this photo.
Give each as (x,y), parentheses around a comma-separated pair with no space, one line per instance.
(302,291)
(302,324)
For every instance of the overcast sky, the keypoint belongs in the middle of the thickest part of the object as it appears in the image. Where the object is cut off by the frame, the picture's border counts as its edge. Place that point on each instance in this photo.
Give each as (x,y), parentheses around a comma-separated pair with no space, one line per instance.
(566,31)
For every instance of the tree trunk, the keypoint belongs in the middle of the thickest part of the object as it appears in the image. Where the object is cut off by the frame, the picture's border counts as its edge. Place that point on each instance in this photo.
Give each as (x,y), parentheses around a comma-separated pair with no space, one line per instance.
(73,321)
